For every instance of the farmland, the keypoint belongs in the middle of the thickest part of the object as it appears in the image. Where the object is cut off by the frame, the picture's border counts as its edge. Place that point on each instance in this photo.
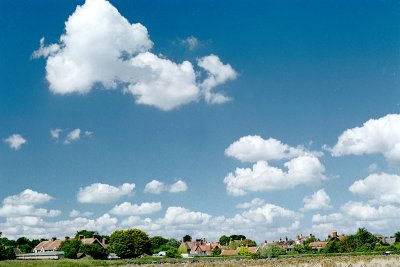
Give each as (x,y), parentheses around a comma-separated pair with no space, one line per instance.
(317,261)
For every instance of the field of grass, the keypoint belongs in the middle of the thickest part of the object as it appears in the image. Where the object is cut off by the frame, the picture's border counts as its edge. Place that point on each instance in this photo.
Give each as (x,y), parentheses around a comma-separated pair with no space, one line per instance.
(321,261)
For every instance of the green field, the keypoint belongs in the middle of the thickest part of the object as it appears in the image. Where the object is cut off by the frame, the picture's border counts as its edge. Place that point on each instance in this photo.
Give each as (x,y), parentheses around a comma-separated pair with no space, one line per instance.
(319,261)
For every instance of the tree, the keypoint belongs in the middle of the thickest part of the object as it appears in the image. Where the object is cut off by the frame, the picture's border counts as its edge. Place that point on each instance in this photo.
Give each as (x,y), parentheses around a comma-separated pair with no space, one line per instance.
(332,247)
(216,251)
(237,237)
(243,251)
(85,233)
(182,249)
(272,251)
(397,236)
(364,240)
(71,247)
(157,242)
(173,243)
(224,240)
(187,238)
(129,243)
(94,250)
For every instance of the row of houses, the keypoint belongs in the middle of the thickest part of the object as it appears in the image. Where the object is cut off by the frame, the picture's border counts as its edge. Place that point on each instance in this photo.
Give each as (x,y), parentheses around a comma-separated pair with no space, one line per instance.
(204,248)
(49,249)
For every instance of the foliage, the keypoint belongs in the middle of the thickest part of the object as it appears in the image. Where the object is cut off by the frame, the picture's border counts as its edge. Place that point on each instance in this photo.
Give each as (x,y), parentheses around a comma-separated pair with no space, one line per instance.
(216,251)
(333,246)
(364,240)
(156,243)
(94,250)
(182,249)
(25,245)
(270,252)
(397,236)
(172,252)
(187,238)
(130,243)
(237,237)
(224,240)
(243,251)
(173,243)
(71,247)
(85,233)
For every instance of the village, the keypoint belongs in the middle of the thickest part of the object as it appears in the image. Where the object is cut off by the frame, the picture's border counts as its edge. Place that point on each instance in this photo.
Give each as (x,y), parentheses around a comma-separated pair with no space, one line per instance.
(89,244)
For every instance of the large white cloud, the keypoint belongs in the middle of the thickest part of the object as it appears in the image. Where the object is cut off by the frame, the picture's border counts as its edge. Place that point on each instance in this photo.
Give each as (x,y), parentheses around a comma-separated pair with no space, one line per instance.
(305,169)
(129,209)
(100,46)
(15,141)
(104,193)
(24,204)
(317,201)
(352,215)
(382,187)
(157,187)
(253,148)
(375,136)
(28,196)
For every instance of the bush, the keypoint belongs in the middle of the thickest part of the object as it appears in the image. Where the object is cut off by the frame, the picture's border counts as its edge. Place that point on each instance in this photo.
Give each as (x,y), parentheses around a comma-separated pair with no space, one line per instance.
(71,247)
(129,243)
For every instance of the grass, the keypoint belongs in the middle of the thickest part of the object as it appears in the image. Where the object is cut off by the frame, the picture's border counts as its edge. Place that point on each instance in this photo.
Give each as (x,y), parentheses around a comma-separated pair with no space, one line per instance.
(321,261)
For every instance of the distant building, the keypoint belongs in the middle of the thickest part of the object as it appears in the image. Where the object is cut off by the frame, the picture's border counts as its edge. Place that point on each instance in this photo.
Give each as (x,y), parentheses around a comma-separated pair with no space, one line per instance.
(48,255)
(48,245)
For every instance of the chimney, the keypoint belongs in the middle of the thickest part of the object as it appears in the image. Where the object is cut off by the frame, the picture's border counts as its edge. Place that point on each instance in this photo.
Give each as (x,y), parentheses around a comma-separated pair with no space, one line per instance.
(81,237)
(53,239)
(334,234)
(67,238)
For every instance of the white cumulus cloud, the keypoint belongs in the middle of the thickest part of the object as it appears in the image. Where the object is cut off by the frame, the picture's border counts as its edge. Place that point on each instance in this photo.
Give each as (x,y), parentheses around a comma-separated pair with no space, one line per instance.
(104,193)
(76,213)
(253,148)
(319,200)
(375,136)
(217,73)
(28,196)
(157,187)
(129,209)
(15,141)
(305,169)
(382,187)
(100,46)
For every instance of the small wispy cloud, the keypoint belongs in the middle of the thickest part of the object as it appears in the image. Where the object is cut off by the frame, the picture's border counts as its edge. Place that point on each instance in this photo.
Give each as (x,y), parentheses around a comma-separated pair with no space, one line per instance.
(74,135)
(191,42)
(55,133)
(15,141)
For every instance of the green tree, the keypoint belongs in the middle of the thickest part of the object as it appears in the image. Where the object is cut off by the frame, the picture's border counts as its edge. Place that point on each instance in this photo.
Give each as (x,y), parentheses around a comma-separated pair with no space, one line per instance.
(173,243)
(85,233)
(172,252)
(94,250)
(129,243)
(397,236)
(243,251)
(182,249)
(272,251)
(332,247)
(187,238)
(71,247)
(364,240)
(157,242)
(237,237)
(216,251)
(224,240)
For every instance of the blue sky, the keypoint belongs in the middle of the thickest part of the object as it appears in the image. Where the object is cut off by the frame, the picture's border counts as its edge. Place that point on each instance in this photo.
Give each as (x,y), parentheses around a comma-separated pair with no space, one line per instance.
(243,114)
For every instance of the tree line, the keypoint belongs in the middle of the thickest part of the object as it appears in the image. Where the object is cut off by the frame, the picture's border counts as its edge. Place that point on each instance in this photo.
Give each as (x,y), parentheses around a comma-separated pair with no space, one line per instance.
(133,243)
